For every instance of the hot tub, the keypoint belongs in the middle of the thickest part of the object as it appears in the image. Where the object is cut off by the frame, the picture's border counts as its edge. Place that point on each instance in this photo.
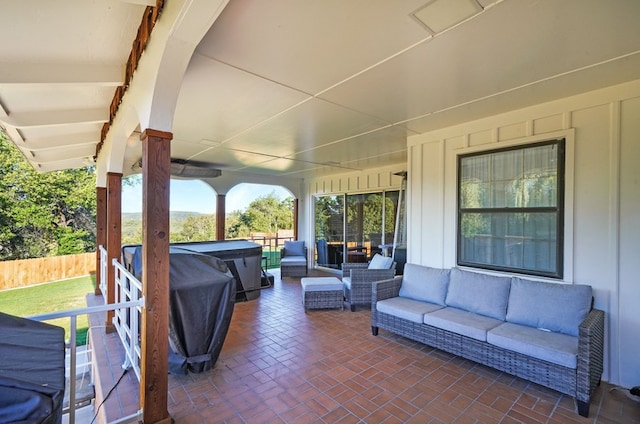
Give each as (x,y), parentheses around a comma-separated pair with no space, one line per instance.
(243,257)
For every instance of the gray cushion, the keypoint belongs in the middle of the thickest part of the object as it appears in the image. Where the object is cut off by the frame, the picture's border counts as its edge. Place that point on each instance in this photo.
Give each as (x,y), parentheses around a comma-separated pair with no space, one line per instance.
(294,248)
(424,283)
(558,348)
(462,322)
(480,293)
(294,261)
(409,309)
(551,306)
(321,284)
(380,262)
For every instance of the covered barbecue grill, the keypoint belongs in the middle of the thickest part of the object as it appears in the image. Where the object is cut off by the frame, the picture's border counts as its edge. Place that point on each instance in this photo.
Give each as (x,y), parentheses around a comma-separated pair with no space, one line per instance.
(202,296)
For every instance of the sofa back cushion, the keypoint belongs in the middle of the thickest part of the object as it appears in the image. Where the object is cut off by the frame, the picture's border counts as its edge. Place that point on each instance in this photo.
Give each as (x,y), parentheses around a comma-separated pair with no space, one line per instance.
(480,293)
(424,283)
(294,248)
(380,262)
(550,306)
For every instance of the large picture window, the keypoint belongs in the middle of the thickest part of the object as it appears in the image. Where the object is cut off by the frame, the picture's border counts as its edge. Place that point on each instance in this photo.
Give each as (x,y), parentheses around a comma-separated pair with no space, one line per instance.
(510,209)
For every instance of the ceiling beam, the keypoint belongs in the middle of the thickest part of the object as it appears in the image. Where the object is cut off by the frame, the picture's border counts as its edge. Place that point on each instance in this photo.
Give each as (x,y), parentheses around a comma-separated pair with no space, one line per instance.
(71,163)
(13,133)
(36,143)
(59,155)
(74,74)
(57,117)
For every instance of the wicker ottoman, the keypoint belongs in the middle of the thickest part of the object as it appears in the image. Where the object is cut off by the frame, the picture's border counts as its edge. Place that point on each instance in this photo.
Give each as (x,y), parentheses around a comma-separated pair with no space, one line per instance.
(322,292)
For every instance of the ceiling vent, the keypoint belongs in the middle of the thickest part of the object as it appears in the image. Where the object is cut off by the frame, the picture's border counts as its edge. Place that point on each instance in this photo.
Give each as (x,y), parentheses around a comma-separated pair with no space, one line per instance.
(440,15)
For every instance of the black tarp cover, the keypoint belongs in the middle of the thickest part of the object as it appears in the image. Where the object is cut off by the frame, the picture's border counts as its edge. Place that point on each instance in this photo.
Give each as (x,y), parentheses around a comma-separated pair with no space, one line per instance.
(201,301)
(32,380)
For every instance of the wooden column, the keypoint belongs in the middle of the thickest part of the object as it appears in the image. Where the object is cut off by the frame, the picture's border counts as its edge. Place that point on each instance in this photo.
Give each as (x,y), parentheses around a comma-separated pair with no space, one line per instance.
(114,237)
(101,232)
(220,215)
(156,167)
(295,219)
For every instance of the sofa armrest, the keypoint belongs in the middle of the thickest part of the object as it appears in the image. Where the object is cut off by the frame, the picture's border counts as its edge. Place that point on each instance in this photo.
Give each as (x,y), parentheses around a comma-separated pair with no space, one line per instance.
(385,289)
(348,266)
(590,354)
(367,276)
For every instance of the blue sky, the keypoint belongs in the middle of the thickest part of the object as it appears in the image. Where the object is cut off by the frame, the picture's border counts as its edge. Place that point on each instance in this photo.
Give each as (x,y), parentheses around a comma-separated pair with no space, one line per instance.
(196,196)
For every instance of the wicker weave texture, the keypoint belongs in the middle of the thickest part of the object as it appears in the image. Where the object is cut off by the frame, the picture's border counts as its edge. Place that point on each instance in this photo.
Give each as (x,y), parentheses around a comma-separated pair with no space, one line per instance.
(361,283)
(292,270)
(328,299)
(578,383)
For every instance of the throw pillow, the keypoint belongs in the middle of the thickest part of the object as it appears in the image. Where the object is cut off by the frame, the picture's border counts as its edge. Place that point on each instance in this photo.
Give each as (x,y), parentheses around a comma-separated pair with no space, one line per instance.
(380,262)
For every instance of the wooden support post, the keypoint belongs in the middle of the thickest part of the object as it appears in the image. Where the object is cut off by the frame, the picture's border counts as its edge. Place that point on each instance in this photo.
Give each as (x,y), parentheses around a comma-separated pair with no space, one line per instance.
(220,216)
(154,367)
(114,238)
(101,232)
(295,219)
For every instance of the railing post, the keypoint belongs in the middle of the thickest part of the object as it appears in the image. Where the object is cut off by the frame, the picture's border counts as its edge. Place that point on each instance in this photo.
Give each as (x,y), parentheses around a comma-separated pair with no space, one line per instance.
(101,233)
(114,224)
(103,274)
(72,370)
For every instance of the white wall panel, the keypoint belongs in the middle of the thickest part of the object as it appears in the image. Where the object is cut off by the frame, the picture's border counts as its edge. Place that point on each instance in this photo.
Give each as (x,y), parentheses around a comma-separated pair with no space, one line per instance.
(510,132)
(548,124)
(629,243)
(432,200)
(352,182)
(481,137)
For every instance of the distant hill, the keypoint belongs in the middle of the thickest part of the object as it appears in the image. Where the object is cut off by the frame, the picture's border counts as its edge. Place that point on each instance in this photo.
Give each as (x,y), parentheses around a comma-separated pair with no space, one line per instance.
(132,224)
(174,216)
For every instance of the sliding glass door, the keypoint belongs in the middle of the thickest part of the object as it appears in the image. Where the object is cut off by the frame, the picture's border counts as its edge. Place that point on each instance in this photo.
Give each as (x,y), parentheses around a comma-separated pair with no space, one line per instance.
(353,227)
(329,220)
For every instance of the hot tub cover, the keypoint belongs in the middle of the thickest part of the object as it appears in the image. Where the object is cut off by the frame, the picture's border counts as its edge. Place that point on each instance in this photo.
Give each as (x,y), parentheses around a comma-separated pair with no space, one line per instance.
(201,301)
(32,380)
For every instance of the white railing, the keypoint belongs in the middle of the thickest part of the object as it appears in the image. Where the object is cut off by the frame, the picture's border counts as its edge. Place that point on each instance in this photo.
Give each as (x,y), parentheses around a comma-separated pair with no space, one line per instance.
(127,321)
(73,316)
(103,271)
(127,316)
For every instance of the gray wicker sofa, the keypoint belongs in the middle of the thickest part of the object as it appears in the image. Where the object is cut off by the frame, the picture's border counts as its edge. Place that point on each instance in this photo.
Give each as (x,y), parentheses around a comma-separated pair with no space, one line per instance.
(547,333)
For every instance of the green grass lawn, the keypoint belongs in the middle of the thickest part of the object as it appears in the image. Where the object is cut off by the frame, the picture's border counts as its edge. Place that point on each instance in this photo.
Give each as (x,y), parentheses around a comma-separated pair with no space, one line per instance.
(51,297)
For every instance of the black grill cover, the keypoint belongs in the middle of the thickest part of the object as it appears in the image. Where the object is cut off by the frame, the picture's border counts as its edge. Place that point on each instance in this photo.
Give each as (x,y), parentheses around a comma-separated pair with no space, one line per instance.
(202,294)
(32,378)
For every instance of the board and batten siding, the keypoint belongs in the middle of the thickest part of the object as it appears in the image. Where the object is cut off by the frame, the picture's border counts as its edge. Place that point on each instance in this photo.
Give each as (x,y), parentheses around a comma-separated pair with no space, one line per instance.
(367,181)
(602,205)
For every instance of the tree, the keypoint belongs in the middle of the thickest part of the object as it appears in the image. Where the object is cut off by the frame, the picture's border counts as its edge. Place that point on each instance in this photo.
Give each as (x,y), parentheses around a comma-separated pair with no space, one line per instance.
(198,228)
(266,214)
(44,214)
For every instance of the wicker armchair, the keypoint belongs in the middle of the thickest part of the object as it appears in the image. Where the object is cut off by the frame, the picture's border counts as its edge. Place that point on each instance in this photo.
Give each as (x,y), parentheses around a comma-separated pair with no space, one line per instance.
(293,259)
(358,279)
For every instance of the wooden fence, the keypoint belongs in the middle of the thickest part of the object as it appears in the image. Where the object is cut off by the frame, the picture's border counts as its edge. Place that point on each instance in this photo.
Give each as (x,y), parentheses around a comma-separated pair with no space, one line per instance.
(26,272)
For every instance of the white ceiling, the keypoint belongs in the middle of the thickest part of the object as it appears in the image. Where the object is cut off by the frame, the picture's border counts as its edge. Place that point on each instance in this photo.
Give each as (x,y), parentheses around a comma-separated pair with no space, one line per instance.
(300,88)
